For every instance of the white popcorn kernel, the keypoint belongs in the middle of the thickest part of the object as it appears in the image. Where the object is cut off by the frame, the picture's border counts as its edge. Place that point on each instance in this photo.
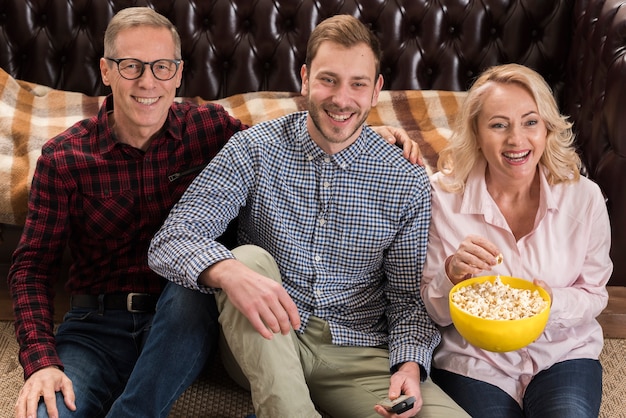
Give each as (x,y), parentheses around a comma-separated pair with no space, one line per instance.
(498,301)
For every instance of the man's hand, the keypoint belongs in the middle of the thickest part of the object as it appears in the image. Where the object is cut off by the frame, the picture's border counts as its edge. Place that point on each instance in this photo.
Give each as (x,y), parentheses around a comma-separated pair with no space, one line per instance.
(265,302)
(405,381)
(44,383)
(394,135)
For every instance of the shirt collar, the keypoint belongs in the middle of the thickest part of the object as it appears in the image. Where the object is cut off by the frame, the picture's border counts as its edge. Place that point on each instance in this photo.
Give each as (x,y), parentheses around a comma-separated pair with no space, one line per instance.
(343,159)
(106,140)
(476,198)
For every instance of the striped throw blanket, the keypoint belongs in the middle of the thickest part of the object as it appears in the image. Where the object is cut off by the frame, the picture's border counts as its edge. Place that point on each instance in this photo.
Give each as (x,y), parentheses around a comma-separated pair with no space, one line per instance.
(30,114)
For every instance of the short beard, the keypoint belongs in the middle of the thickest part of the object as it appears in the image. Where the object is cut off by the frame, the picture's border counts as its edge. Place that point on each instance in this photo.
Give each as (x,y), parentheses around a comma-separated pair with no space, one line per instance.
(315,112)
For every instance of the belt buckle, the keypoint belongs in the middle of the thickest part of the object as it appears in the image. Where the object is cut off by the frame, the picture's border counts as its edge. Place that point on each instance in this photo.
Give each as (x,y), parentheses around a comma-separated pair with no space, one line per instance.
(129,302)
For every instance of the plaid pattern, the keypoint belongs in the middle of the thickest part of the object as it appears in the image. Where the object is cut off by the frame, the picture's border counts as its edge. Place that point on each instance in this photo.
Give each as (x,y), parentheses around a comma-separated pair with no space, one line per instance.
(30,114)
(94,193)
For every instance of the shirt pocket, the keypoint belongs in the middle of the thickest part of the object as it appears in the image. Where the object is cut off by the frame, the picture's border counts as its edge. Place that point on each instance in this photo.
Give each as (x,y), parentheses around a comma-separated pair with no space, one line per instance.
(108,215)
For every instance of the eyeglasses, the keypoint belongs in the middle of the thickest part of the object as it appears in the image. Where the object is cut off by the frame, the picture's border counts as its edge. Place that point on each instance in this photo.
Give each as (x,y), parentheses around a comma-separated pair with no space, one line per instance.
(132,69)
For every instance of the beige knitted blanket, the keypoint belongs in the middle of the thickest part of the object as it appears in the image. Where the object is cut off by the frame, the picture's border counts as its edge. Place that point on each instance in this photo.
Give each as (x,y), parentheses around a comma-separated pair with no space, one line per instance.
(30,114)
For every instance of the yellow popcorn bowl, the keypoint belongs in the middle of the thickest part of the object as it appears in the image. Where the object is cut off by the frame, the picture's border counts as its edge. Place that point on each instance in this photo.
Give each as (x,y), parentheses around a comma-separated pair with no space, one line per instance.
(499,335)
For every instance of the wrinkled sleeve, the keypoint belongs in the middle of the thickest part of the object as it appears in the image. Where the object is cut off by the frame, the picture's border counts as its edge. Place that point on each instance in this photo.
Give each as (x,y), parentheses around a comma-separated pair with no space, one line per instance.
(588,294)
(186,244)
(35,267)
(435,286)
(413,335)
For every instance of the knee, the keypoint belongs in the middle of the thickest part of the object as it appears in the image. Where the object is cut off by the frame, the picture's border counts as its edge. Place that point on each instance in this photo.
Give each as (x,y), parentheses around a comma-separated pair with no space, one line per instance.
(88,407)
(258,259)
(249,254)
(187,303)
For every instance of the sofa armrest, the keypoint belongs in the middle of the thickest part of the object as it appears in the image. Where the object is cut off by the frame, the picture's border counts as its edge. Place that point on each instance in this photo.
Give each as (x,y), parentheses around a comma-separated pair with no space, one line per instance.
(595,100)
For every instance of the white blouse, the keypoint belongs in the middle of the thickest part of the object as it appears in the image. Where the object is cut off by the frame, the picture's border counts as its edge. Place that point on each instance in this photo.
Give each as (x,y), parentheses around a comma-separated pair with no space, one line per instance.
(568,248)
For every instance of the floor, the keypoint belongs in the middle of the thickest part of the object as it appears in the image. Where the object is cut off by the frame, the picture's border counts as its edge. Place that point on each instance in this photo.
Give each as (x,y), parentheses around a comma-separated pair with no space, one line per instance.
(613,319)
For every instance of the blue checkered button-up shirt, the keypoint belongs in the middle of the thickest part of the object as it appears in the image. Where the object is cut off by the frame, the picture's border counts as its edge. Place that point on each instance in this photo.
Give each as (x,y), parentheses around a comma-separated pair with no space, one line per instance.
(348,231)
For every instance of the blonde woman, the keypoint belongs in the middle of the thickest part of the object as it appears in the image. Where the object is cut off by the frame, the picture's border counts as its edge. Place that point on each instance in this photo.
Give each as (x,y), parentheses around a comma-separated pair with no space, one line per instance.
(509,185)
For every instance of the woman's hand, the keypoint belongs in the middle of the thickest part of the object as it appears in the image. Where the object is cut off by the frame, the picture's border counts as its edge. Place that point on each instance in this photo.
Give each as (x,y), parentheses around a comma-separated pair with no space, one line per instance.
(474,255)
(544,285)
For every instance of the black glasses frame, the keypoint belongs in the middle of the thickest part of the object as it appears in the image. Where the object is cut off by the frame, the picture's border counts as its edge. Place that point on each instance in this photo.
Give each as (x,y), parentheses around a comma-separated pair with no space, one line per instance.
(143,67)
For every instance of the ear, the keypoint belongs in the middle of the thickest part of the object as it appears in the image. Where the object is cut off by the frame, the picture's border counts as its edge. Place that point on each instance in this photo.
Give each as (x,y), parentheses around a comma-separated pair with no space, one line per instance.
(104,72)
(304,90)
(377,88)
(179,74)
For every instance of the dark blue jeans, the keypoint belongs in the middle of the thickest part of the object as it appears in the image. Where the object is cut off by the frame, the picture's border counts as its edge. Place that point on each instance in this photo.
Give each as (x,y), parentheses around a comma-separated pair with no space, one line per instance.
(136,365)
(570,389)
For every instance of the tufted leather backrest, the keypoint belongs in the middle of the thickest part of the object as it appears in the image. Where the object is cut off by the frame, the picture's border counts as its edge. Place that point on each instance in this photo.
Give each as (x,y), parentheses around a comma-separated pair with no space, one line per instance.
(595,99)
(238,46)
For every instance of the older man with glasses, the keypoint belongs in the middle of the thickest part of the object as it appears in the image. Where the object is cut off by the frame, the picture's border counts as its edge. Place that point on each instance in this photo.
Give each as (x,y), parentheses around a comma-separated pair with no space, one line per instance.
(130,344)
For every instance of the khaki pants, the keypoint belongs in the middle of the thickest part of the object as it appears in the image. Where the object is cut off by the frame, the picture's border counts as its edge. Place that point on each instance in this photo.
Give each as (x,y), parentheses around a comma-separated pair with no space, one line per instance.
(289,375)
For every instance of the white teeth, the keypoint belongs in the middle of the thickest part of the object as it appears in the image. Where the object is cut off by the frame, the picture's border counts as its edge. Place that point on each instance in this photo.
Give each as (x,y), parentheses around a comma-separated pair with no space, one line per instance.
(338,118)
(516,155)
(145,100)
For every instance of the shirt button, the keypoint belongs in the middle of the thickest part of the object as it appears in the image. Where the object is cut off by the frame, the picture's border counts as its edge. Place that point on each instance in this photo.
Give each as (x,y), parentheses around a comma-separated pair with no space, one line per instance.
(318,258)
(318,292)
(322,222)
(326,184)
(309,157)
(326,159)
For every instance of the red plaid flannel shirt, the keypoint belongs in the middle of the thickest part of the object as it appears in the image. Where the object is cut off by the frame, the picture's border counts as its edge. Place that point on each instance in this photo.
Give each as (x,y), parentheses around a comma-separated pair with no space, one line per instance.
(105,200)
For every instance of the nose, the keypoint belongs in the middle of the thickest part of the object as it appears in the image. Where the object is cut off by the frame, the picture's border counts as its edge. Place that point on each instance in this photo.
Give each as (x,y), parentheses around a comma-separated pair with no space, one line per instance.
(147,78)
(515,134)
(341,96)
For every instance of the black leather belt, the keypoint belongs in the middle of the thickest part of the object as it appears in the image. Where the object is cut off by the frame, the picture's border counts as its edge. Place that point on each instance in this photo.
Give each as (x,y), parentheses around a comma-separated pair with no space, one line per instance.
(131,302)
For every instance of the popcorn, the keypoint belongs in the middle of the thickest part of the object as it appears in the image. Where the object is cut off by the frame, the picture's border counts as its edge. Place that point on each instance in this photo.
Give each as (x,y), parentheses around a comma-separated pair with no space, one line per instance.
(498,301)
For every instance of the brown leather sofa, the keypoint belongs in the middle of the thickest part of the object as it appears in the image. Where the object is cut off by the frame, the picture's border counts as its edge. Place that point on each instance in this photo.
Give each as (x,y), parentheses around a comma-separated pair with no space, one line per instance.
(235,46)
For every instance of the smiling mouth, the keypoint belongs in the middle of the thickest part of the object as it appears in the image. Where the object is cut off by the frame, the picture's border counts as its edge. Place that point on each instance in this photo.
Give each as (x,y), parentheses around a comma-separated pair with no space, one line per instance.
(338,117)
(516,156)
(146,100)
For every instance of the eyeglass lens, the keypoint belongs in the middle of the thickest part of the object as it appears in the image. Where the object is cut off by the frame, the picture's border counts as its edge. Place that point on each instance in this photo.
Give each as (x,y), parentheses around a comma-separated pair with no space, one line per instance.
(162,69)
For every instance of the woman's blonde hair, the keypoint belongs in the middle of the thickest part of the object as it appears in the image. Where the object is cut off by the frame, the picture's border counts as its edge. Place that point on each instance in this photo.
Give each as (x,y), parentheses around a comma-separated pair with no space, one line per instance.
(462,153)
(133,17)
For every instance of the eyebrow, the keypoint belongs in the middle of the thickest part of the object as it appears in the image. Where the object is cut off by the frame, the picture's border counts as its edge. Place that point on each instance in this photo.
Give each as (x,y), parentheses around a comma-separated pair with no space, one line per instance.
(529,113)
(335,75)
